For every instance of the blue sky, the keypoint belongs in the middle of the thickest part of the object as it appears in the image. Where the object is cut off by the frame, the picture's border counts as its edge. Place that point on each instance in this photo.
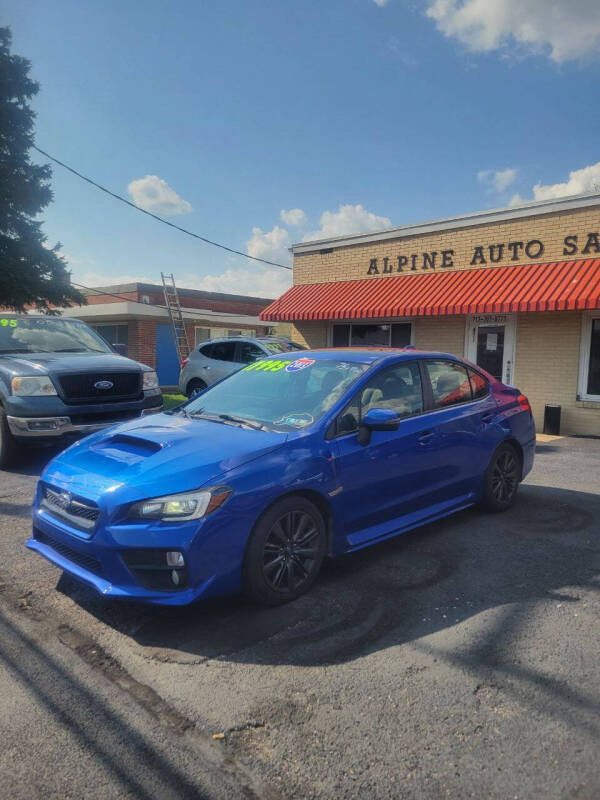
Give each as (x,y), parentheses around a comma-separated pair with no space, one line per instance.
(351,114)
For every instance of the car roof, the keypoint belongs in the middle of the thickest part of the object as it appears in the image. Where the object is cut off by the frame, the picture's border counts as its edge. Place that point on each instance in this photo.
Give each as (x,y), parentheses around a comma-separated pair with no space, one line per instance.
(245,339)
(369,355)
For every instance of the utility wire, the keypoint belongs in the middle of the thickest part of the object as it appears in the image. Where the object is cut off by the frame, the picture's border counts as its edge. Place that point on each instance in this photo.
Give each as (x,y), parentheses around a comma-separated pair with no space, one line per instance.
(203,313)
(155,216)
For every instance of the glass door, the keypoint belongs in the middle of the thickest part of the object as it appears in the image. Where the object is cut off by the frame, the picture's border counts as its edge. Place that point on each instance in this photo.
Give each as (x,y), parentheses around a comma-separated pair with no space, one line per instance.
(490,343)
(490,349)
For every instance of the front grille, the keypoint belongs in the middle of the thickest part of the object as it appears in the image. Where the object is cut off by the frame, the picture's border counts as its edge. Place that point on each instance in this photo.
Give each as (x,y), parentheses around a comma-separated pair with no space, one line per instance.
(87,387)
(87,562)
(82,514)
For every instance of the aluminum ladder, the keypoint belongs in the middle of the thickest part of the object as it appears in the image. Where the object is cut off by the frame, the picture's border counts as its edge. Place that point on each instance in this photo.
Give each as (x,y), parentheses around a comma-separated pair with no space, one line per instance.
(174,308)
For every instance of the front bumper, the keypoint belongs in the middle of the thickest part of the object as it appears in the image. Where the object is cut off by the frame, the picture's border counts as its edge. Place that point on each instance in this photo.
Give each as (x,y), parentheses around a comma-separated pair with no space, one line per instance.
(115,557)
(122,592)
(36,427)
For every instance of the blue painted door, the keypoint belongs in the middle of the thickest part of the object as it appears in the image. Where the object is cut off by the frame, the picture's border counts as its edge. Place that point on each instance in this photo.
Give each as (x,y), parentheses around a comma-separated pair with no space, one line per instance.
(167,363)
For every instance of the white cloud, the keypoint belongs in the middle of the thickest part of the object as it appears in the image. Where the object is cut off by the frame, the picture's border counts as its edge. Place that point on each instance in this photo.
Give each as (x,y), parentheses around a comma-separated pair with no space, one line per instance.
(380,3)
(154,194)
(258,281)
(294,216)
(565,29)
(347,219)
(267,282)
(581,181)
(499,179)
(271,245)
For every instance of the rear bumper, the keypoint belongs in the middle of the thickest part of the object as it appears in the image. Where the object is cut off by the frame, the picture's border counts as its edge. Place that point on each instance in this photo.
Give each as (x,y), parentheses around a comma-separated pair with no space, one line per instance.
(55,427)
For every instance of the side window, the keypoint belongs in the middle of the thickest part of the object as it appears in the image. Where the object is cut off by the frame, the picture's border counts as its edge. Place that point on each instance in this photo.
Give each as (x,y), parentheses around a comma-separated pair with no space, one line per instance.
(223,351)
(449,383)
(479,385)
(248,352)
(206,350)
(398,388)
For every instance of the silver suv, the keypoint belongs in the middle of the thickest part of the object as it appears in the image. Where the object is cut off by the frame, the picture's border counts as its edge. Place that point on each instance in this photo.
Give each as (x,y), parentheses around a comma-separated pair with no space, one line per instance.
(217,358)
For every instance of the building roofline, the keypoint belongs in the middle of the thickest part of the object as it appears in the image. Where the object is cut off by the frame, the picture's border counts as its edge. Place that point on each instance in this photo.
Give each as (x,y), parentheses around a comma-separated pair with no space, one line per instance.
(531,209)
(119,288)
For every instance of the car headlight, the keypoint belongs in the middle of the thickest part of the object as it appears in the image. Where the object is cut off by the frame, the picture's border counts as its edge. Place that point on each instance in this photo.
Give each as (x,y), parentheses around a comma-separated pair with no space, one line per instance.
(181,507)
(32,386)
(150,380)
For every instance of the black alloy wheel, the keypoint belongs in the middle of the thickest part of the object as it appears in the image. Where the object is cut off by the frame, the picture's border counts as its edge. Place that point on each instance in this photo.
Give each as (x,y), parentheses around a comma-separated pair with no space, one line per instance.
(290,551)
(502,479)
(285,552)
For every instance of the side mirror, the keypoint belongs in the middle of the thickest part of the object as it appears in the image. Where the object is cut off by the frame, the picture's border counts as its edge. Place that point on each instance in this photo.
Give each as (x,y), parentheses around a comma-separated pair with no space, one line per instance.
(120,348)
(377,419)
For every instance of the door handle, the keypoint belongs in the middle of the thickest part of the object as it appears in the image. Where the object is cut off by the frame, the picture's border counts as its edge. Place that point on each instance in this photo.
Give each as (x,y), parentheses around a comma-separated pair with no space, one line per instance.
(487,418)
(426,436)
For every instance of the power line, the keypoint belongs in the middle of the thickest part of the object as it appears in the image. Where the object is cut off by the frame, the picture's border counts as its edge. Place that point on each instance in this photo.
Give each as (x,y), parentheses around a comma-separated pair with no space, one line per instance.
(199,315)
(155,216)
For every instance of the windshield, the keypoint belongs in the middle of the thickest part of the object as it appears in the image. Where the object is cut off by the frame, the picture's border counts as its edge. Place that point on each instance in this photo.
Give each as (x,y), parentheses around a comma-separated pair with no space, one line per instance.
(280,347)
(48,335)
(277,394)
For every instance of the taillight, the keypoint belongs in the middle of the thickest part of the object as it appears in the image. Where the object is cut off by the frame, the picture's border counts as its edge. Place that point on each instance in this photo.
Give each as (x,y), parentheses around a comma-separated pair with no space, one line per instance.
(184,362)
(523,402)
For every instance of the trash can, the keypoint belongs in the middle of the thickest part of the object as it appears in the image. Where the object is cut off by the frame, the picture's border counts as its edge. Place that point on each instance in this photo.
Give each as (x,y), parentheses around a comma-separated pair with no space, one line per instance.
(552,419)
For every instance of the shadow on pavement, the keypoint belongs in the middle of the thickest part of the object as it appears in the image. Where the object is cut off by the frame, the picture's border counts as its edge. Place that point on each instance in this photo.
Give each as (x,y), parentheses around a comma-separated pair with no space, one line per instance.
(396,592)
(139,767)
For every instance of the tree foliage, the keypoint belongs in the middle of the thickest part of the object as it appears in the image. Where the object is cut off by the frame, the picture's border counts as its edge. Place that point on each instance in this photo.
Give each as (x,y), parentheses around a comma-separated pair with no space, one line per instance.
(31,274)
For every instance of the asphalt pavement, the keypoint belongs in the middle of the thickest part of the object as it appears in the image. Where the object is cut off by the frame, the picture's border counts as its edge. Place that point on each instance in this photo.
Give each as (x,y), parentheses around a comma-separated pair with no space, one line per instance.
(460,660)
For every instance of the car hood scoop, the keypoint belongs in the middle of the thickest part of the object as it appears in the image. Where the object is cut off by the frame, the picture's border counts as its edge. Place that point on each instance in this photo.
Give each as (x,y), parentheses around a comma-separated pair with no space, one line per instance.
(166,454)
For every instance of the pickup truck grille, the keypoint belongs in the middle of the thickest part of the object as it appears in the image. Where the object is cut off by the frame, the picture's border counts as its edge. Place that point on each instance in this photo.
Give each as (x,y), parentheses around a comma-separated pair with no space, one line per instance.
(90,387)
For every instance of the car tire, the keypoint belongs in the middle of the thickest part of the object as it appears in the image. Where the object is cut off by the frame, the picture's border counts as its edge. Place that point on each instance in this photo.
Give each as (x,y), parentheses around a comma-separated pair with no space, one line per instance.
(8,445)
(502,479)
(285,552)
(194,386)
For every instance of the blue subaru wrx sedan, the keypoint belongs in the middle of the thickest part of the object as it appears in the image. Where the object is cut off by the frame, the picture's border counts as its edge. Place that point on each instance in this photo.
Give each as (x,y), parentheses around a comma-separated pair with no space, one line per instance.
(253,482)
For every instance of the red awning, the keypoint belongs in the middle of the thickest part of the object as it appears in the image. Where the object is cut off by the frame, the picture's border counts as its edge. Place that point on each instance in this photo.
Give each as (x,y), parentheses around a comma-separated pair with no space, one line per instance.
(556,286)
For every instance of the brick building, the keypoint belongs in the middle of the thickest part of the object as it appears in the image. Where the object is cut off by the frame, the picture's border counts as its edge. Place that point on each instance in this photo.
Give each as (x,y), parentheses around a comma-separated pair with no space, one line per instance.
(516,290)
(135,319)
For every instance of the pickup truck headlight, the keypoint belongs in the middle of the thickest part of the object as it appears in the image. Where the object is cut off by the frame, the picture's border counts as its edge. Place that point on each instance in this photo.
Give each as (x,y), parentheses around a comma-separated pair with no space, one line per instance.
(150,380)
(32,386)
(181,507)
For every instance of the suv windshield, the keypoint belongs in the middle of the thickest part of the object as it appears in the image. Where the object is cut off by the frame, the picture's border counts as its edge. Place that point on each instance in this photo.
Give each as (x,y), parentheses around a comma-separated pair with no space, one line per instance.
(48,335)
(277,394)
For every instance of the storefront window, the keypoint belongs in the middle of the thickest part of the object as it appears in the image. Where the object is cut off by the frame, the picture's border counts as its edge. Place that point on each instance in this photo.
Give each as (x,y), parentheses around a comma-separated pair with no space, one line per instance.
(372,335)
(593,382)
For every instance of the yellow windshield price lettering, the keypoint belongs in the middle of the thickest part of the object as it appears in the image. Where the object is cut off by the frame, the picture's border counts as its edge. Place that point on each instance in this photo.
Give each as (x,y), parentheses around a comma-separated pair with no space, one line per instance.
(272,365)
(11,323)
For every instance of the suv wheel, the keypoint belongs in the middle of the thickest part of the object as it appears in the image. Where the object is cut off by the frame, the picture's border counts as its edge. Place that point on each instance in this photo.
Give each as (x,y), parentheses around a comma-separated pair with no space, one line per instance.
(285,552)
(194,386)
(8,446)
(502,479)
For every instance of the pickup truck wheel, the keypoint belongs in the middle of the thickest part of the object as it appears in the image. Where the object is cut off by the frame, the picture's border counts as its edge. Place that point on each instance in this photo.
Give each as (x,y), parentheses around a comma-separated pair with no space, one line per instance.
(8,445)
(194,386)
